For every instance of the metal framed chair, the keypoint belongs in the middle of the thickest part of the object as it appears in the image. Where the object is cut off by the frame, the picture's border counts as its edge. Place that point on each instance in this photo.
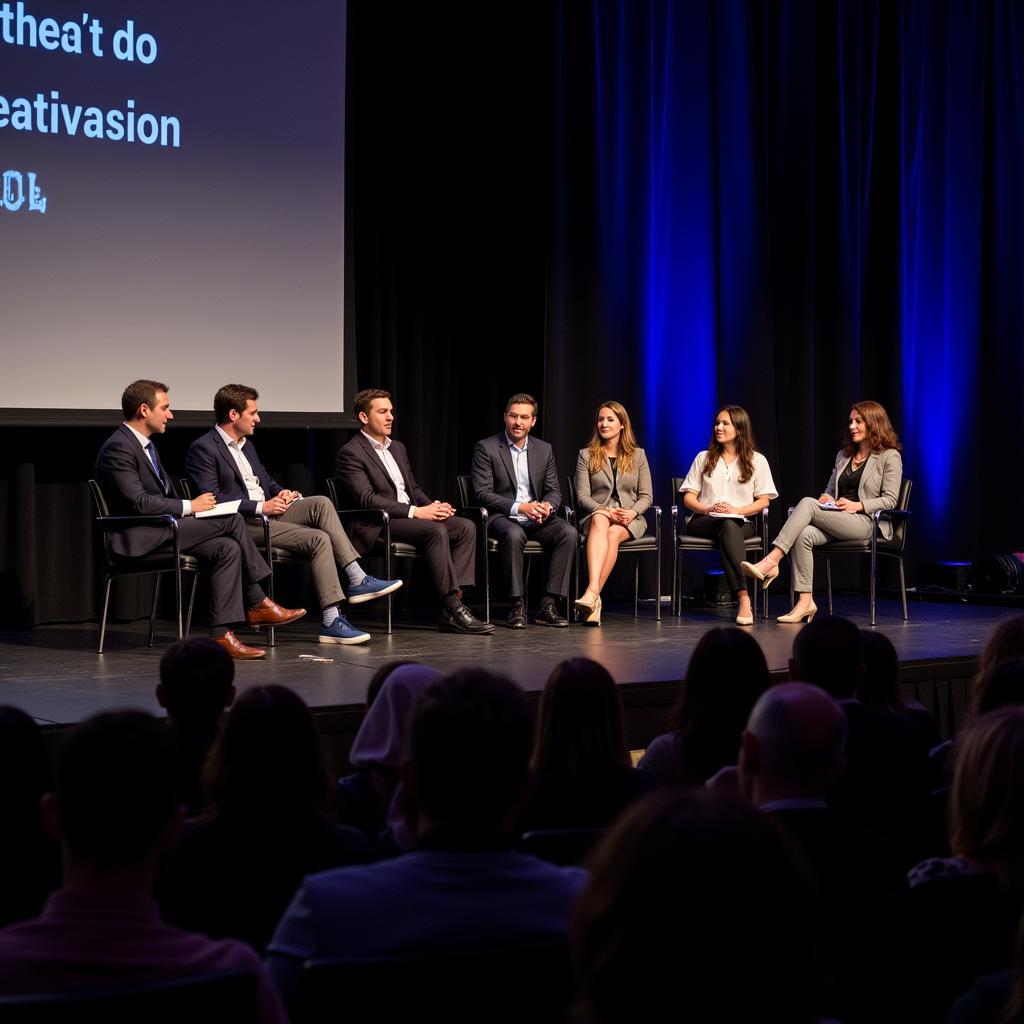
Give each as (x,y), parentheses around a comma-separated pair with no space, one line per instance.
(385,546)
(274,556)
(645,545)
(488,545)
(168,558)
(873,547)
(685,543)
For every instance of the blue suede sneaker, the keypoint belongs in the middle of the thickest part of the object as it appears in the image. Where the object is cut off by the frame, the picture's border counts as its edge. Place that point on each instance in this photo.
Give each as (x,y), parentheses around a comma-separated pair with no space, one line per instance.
(341,631)
(370,589)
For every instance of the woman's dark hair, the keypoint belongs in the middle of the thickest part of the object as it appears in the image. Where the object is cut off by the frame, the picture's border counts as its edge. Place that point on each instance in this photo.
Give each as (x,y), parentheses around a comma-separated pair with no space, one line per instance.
(689,892)
(726,675)
(579,725)
(267,760)
(746,446)
(1006,642)
(879,685)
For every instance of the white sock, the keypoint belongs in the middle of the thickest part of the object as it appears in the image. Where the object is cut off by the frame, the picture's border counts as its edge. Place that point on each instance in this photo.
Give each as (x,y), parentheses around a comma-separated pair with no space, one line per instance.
(354,573)
(331,613)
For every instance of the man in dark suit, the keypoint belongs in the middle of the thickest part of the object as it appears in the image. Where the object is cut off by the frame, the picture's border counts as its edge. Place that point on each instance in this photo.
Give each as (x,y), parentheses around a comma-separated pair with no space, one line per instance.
(134,482)
(375,472)
(515,478)
(224,461)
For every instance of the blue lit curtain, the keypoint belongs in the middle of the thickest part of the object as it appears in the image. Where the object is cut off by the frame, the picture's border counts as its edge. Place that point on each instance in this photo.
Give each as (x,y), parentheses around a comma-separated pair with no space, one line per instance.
(792,205)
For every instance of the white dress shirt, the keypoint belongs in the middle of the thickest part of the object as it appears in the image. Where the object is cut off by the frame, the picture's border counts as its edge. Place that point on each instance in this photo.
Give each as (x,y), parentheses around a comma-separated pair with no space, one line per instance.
(252,484)
(186,506)
(392,469)
(521,465)
(724,483)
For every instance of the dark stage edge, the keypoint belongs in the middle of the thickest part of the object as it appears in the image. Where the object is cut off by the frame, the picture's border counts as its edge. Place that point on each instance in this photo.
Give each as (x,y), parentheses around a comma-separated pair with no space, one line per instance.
(54,674)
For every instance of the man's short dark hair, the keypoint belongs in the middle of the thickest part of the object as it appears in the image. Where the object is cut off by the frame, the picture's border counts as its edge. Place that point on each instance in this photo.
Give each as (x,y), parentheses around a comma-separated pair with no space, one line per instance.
(196,675)
(468,748)
(139,393)
(116,787)
(522,398)
(364,399)
(232,396)
(827,652)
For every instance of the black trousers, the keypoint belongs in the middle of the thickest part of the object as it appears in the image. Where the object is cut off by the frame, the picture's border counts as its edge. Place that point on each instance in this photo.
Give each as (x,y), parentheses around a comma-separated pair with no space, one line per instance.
(556,536)
(448,547)
(233,561)
(730,534)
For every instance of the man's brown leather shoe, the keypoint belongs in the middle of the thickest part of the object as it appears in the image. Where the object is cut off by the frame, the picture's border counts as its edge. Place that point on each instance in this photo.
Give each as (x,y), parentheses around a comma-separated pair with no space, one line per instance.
(237,649)
(271,614)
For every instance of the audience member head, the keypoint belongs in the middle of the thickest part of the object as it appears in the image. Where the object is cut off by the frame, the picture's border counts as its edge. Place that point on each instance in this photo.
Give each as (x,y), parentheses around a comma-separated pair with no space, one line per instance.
(267,763)
(879,683)
(827,652)
(726,675)
(116,802)
(467,754)
(579,725)
(196,683)
(379,741)
(24,769)
(986,806)
(1006,642)
(378,677)
(793,745)
(696,901)
(1004,687)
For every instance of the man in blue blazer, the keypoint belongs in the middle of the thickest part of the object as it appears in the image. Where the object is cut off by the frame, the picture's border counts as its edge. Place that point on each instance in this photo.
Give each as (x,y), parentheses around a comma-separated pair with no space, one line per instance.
(515,478)
(224,462)
(135,483)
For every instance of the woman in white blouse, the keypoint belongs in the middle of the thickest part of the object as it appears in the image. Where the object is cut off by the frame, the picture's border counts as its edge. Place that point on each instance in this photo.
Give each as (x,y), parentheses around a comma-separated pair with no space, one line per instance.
(726,485)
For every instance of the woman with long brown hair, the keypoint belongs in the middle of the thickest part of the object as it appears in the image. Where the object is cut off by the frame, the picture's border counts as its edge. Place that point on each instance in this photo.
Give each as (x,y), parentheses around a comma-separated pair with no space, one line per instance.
(727,484)
(865,479)
(613,489)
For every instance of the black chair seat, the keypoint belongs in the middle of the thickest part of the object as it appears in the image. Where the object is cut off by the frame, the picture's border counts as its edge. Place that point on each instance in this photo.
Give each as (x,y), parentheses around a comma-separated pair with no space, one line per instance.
(883,546)
(531,547)
(159,560)
(687,543)
(399,549)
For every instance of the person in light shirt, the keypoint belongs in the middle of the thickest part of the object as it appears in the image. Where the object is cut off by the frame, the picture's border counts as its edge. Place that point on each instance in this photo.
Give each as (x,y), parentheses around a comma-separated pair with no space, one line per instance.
(727,485)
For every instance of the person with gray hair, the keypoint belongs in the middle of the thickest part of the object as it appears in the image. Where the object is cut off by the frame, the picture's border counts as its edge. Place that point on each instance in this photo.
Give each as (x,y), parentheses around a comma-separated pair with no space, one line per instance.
(790,753)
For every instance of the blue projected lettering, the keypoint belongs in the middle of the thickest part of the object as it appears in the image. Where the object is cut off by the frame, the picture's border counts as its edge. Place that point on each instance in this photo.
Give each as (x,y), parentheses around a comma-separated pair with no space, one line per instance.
(16,193)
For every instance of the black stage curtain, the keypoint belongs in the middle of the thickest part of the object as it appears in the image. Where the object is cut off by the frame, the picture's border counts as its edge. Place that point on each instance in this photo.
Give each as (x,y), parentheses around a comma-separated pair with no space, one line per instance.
(787,205)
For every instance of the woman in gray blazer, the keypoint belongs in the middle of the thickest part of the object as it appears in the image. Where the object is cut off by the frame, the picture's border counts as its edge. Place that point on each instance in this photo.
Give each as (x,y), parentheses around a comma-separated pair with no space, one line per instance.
(613,489)
(865,478)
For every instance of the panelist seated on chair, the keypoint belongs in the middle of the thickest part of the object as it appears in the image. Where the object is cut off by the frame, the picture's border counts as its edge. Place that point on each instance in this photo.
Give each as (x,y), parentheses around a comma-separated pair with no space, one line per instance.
(726,485)
(224,462)
(614,490)
(136,484)
(865,479)
(375,472)
(516,479)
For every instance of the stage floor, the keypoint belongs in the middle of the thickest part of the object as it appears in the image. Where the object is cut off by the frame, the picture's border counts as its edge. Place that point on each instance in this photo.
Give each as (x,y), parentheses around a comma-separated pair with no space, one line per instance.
(54,674)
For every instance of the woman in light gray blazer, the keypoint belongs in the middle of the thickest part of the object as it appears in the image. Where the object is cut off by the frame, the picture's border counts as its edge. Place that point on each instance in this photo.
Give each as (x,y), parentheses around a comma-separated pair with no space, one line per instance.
(613,489)
(865,478)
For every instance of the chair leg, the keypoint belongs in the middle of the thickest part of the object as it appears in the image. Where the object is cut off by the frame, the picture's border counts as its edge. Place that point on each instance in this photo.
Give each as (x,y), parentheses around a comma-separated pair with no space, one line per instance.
(388,576)
(874,577)
(657,584)
(903,589)
(191,603)
(828,581)
(103,617)
(179,600)
(487,583)
(636,587)
(677,604)
(152,611)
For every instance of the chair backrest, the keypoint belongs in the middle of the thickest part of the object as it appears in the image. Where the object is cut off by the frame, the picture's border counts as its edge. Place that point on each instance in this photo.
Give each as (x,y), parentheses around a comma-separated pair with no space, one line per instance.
(570,493)
(899,529)
(99,500)
(464,485)
(525,981)
(226,996)
(185,487)
(332,490)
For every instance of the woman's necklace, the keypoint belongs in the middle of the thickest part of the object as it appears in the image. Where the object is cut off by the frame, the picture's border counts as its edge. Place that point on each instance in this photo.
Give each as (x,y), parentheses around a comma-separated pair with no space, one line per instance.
(859,460)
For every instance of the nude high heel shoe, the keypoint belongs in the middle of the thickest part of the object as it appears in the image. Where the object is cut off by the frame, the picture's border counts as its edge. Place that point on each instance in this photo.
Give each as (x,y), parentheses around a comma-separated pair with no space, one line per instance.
(766,578)
(795,616)
(591,615)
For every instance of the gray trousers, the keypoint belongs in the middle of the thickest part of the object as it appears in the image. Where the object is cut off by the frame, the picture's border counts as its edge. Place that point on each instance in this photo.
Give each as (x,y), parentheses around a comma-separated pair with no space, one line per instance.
(310,529)
(811,525)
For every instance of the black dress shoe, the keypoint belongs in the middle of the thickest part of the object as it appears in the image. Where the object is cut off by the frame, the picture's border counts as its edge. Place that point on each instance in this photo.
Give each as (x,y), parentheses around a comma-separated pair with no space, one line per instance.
(461,620)
(516,616)
(547,615)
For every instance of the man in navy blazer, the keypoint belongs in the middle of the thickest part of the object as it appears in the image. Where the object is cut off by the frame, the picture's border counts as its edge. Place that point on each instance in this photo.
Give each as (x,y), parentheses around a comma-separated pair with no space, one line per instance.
(134,483)
(224,462)
(515,478)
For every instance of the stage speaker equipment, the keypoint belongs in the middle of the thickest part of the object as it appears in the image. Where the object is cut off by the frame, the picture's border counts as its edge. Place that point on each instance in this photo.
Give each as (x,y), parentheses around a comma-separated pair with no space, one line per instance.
(716,590)
(997,574)
(951,576)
